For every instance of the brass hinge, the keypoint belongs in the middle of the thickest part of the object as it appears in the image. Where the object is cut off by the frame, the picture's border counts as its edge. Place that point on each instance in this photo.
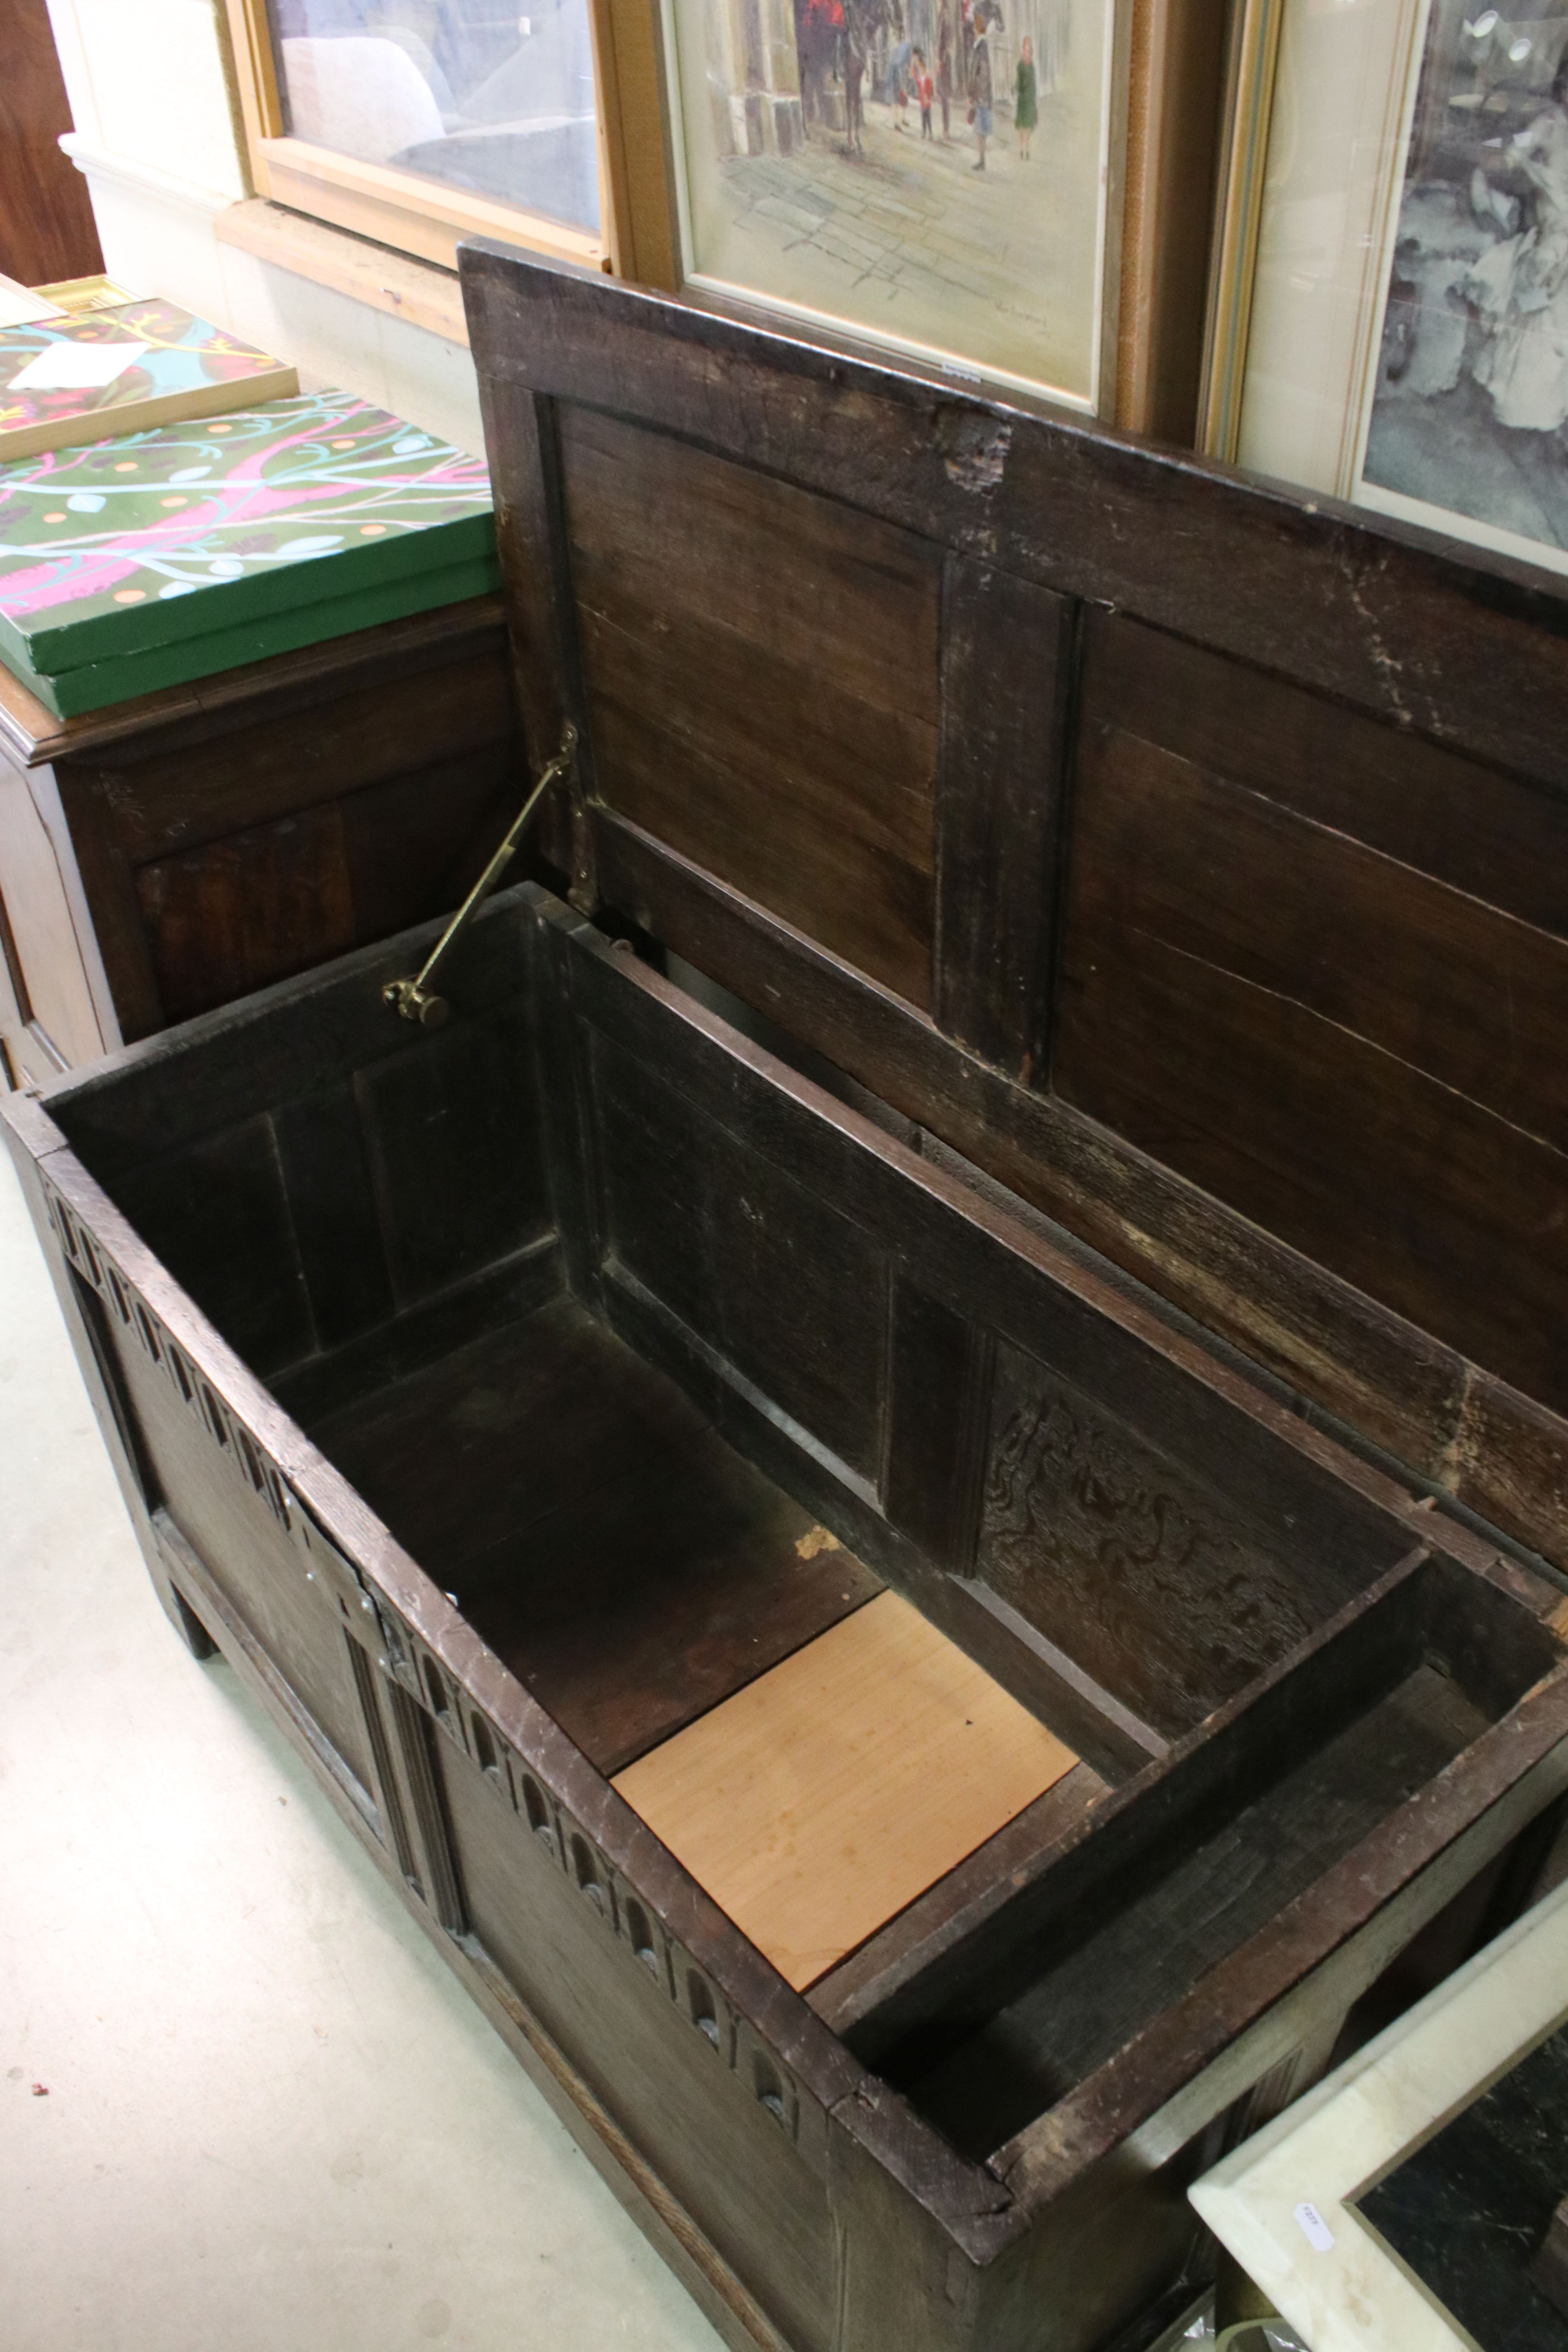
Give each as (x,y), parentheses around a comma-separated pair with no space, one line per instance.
(413,998)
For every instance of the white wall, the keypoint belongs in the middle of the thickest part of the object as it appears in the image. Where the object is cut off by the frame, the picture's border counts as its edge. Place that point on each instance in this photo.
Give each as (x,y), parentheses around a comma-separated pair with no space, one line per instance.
(156,136)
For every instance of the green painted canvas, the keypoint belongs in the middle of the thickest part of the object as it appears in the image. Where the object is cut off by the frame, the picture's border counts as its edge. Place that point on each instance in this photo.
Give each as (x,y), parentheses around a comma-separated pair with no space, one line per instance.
(137,545)
(121,677)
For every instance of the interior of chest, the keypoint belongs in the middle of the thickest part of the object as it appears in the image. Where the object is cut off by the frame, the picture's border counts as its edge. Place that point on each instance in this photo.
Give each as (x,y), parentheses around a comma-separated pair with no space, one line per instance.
(872,1554)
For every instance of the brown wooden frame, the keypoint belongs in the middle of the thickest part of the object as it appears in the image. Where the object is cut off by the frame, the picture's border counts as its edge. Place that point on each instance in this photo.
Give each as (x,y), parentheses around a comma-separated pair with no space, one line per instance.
(415,212)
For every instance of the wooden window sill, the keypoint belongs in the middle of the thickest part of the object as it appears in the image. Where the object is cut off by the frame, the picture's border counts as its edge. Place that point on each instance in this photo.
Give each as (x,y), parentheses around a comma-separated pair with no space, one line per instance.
(406,210)
(420,291)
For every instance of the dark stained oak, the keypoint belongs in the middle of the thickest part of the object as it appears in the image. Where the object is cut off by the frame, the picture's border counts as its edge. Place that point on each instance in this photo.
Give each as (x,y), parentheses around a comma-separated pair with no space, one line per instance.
(1239,949)
(1007,673)
(632,1362)
(1391,788)
(1387,1030)
(777,720)
(1123,1105)
(628,1567)
(171,853)
(1460,646)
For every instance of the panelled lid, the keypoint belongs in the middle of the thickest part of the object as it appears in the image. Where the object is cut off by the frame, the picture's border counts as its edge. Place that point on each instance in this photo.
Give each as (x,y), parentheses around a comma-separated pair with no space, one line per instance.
(1190,855)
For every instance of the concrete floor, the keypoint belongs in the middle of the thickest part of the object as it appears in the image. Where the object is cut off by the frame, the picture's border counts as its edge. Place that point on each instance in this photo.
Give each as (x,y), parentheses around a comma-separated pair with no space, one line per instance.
(271,2120)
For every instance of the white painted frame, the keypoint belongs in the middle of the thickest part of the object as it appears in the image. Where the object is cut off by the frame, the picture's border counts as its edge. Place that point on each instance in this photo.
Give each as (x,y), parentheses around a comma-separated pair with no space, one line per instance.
(1282,2201)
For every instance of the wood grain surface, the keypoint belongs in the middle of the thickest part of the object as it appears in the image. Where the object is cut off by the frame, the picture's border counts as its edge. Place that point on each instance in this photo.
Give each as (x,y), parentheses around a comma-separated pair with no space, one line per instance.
(1264,802)
(1280,977)
(386,1217)
(46,227)
(1245,940)
(831,1791)
(629,1566)
(211,839)
(775,718)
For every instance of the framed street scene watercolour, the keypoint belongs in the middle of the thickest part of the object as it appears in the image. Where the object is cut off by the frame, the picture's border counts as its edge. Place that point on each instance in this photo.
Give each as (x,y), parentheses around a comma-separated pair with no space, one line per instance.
(1464,415)
(934,175)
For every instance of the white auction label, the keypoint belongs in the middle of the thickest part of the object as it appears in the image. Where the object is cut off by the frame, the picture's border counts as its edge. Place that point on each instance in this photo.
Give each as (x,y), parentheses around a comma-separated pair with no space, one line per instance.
(77,367)
(1314,2229)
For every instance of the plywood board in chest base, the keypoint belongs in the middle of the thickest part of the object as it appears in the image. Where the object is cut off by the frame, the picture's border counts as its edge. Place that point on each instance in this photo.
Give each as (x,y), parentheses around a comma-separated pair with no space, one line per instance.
(819,1800)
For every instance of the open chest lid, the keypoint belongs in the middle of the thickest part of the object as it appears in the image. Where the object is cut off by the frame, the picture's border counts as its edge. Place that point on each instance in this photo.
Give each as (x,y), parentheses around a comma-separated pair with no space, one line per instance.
(1189,855)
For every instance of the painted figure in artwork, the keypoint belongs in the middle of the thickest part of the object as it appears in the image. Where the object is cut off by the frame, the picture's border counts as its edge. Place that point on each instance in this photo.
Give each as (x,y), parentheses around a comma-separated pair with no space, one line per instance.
(1026,98)
(944,41)
(899,66)
(857,52)
(1520,287)
(980,89)
(818,30)
(925,92)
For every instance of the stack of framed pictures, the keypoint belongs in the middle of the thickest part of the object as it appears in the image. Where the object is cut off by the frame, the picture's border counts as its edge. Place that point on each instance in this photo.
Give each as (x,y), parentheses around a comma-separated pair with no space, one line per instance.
(980,186)
(1389,319)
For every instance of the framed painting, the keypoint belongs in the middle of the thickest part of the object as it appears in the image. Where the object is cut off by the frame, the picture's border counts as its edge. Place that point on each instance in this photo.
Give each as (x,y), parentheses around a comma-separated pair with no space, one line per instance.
(939,176)
(1410,2199)
(1405,326)
(1464,412)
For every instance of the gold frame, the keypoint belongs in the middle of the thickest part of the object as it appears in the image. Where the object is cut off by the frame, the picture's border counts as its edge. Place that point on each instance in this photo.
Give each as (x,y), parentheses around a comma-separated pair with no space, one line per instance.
(1244,148)
(423,217)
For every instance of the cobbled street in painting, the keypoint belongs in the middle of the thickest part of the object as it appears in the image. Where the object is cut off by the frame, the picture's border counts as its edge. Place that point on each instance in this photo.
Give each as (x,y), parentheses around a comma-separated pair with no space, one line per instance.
(845,155)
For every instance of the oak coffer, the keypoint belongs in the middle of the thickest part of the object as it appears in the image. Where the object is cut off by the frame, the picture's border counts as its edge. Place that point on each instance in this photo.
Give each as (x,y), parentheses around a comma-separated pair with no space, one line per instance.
(907,1477)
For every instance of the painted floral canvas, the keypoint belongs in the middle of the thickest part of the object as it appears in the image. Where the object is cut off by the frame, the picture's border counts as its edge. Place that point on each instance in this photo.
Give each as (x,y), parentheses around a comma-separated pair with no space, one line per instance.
(173,533)
(65,382)
(930,172)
